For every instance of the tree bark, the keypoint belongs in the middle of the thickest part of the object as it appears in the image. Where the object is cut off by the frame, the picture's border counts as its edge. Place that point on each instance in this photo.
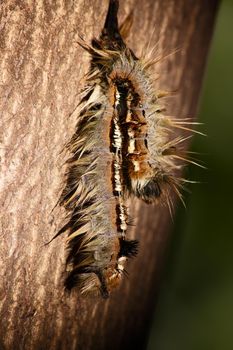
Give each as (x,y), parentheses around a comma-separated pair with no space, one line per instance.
(41,75)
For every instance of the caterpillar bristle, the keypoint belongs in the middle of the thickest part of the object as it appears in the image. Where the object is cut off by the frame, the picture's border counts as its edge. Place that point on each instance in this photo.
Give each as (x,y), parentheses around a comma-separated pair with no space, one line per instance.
(151,59)
(126,26)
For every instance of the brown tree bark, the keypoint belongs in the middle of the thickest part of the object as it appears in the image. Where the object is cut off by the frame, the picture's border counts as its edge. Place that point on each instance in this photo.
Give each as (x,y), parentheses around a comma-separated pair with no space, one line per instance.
(41,74)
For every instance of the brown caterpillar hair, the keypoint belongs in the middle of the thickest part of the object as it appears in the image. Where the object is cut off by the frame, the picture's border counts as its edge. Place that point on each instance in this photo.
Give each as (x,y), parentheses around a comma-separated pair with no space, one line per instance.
(121,147)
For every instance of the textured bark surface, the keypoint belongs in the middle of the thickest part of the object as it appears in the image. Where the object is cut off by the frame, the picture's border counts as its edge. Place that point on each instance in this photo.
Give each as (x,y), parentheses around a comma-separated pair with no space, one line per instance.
(41,74)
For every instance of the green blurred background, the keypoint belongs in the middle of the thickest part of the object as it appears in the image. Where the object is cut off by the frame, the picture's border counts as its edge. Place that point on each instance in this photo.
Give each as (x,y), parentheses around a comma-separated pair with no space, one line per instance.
(195,304)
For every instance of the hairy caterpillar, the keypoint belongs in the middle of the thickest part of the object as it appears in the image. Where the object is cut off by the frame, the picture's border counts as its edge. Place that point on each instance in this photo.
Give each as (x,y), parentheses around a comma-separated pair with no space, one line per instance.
(121,147)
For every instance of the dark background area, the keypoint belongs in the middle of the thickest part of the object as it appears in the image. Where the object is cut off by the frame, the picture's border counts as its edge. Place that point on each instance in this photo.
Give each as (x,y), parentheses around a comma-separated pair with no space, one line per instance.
(195,305)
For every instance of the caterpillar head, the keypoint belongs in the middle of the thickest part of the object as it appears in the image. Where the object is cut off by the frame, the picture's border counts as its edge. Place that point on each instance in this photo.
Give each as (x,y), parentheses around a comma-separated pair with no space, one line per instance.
(98,279)
(151,188)
(113,275)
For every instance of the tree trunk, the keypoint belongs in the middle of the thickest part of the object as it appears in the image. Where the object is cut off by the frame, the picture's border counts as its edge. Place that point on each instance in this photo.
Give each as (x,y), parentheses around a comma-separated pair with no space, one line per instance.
(41,75)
